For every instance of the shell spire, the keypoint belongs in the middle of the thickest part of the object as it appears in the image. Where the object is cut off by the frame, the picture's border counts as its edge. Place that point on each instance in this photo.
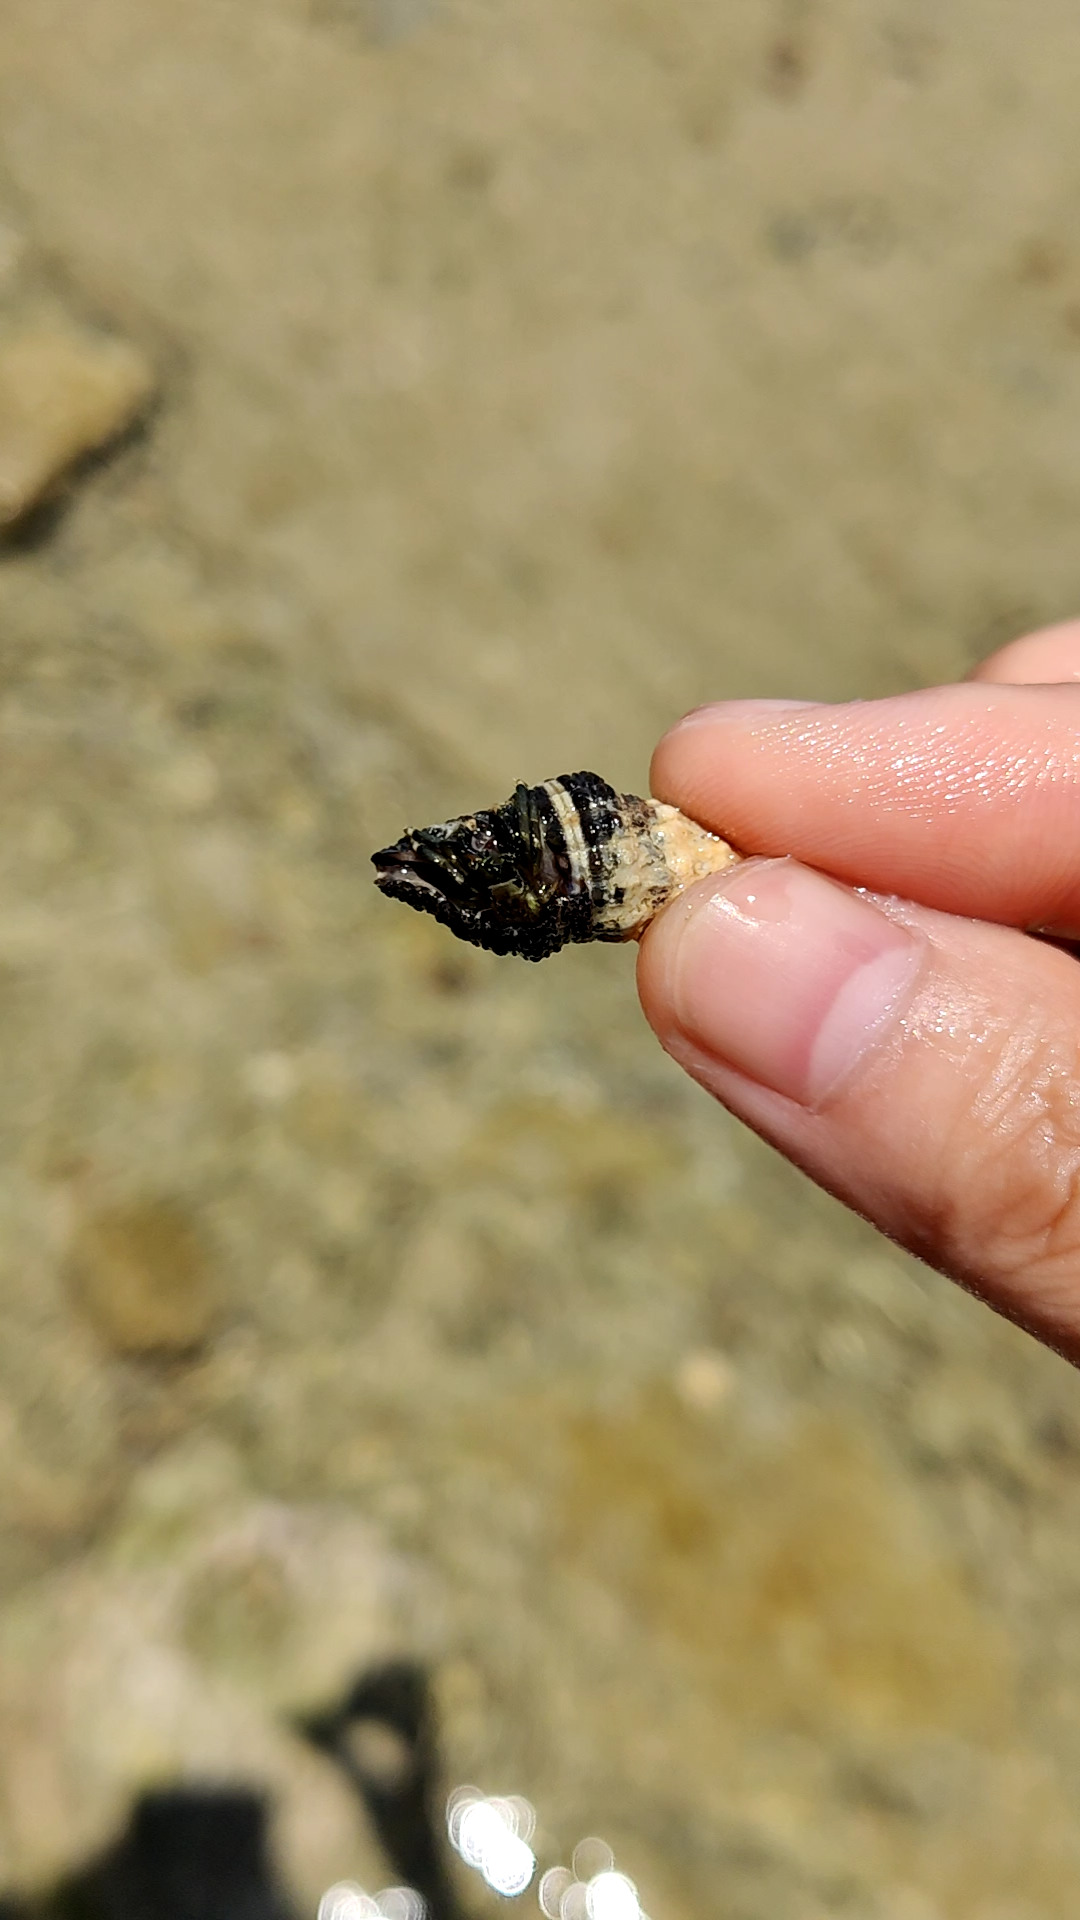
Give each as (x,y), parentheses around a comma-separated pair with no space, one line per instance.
(570,860)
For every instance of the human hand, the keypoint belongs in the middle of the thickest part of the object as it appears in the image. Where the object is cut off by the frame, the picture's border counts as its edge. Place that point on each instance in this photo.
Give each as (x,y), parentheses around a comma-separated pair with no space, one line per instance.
(894,1029)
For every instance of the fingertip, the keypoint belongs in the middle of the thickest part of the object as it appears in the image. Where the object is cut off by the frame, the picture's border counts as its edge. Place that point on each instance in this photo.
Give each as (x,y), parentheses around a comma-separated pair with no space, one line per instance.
(679,749)
(897,1056)
(774,971)
(668,752)
(655,963)
(1044,658)
(667,766)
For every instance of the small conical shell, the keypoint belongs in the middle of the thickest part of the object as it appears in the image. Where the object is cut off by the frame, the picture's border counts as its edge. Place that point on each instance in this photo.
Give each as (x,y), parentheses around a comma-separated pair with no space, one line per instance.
(568,860)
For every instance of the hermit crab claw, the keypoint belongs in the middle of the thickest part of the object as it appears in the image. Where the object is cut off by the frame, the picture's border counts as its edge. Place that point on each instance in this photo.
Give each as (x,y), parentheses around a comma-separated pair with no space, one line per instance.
(464,872)
(424,861)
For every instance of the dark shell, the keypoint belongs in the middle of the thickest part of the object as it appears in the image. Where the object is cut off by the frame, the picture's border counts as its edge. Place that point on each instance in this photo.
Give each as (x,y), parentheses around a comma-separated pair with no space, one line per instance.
(570,860)
(504,878)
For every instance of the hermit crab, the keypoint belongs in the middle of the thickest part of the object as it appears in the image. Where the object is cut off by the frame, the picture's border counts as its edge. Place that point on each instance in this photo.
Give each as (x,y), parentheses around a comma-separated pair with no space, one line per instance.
(570,860)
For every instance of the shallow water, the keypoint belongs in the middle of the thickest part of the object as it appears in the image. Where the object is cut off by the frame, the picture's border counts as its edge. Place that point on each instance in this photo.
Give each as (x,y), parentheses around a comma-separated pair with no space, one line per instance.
(527,374)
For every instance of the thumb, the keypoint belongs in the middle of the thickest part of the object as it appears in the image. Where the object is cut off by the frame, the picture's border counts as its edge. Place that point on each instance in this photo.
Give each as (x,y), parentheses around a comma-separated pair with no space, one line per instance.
(921,1067)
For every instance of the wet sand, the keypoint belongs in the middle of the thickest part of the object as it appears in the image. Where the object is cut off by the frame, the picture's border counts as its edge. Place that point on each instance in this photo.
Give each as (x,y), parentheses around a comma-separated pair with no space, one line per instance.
(523,376)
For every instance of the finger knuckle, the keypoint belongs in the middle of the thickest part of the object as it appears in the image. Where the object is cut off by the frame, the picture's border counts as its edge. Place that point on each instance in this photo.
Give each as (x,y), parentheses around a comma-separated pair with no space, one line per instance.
(1025,1219)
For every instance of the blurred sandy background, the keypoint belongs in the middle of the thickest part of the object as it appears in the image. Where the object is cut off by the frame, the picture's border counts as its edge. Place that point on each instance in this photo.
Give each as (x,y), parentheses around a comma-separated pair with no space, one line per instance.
(523,374)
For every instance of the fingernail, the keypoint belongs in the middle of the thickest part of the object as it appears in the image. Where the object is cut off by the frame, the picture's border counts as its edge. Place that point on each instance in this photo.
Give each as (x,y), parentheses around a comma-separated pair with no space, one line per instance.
(737,710)
(786,976)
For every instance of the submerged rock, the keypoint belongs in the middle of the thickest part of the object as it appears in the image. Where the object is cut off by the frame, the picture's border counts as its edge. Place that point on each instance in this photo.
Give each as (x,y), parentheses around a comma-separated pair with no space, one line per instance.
(66,392)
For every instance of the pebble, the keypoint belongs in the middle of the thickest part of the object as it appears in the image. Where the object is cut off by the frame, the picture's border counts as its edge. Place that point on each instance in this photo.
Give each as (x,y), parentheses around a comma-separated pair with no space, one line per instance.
(959,1416)
(843,1348)
(188,782)
(185,1649)
(270,1078)
(704,1379)
(141,1276)
(65,392)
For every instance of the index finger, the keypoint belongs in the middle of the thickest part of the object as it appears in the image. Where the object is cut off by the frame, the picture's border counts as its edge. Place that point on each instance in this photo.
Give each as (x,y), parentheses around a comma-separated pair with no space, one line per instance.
(964,798)
(1050,655)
